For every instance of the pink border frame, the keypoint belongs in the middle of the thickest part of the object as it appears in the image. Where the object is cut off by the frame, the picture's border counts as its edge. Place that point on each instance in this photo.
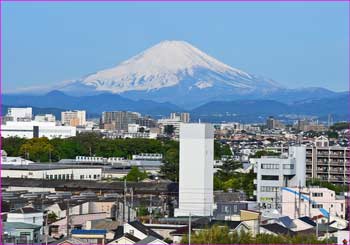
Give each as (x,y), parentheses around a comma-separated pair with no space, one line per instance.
(165,1)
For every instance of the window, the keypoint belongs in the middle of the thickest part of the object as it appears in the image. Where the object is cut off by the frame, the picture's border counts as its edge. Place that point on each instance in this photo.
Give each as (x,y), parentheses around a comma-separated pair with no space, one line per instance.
(67,176)
(270,166)
(33,220)
(269,177)
(55,176)
(24,234)
(288,166)
(317,205)
(95,176)
(269,188)
(81,176)
(317,194)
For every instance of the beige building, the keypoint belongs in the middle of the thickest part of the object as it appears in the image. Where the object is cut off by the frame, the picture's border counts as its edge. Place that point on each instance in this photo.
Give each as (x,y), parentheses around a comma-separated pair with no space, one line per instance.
(73,118)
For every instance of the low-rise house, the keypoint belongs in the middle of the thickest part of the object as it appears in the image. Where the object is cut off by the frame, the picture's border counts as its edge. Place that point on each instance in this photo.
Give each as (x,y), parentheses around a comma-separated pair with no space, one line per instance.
(151,240)
(303,223)
(125,238)
(20,233)
(59,228)
(90,236)
(313,201)
(26,215)
(139,230)
(67,241)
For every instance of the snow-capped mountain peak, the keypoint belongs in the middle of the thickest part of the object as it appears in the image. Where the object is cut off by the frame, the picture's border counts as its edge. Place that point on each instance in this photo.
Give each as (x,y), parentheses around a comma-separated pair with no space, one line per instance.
(172,71)
(163,65)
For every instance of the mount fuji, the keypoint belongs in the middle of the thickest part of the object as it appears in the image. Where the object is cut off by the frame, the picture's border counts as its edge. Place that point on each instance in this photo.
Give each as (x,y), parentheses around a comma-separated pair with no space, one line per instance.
(171,74)
(176,72)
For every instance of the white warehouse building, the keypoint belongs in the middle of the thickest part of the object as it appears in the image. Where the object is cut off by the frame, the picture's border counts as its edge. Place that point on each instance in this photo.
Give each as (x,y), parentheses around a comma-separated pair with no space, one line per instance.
(34,129)
(51,172)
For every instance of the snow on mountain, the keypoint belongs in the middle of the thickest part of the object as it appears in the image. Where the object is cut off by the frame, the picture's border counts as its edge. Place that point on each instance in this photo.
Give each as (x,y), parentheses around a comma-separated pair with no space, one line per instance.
(166,65)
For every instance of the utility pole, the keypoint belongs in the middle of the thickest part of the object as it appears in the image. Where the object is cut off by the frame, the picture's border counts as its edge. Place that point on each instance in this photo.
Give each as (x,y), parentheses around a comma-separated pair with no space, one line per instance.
(276,199)
(309,202)
(46,229)
(299,204)
(132,197)
(329,219)
(67,215)
(124,205)
(150,208)
(189,228)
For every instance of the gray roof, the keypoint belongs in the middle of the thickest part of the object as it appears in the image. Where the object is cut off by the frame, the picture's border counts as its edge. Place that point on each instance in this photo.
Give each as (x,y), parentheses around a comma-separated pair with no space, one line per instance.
(147,240)
(44,166)
(19,225)
(26,210)
(286,221)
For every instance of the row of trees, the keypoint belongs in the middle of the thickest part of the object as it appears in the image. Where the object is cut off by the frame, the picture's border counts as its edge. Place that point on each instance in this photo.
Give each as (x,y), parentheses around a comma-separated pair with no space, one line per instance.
(92,144)
(222,235)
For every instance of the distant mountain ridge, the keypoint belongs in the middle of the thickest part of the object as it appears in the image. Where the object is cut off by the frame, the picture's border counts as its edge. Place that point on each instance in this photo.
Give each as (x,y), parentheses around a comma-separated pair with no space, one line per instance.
(252,109)
(92,103)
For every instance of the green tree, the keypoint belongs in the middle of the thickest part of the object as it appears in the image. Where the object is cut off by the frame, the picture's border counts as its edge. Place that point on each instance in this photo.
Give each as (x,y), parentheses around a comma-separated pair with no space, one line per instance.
(136,175)
(51,217)
(222,235)
(340,126)
(261,153)
(37,149)
(221,149)
(12,145)
(169,129)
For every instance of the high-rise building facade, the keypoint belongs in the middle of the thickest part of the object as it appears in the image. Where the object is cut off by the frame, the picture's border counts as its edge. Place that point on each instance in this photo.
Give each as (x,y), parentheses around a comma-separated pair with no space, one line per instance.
(73,118)
(185,117)
(328,163)
(196,170)
(118,120)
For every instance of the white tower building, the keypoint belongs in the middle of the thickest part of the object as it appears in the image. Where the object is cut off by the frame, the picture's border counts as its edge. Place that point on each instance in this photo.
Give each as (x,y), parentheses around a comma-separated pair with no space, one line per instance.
(196,170)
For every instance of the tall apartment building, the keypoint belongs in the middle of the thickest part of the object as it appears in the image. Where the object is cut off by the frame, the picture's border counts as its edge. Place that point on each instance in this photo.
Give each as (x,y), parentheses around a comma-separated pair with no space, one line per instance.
(118,120)
(73,118)
(272,123)
(275,172)
(45,118)
(328,163)
(146,122)
(196,170)
(182,117)
(175,120)
(185,117)
(19,114)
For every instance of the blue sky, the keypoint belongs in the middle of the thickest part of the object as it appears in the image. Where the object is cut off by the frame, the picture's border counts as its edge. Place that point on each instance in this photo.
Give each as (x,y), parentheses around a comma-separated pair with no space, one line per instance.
(297,44)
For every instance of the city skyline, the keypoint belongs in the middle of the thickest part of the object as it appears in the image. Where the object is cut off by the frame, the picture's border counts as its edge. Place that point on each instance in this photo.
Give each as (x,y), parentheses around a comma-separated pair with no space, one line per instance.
(75,40)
